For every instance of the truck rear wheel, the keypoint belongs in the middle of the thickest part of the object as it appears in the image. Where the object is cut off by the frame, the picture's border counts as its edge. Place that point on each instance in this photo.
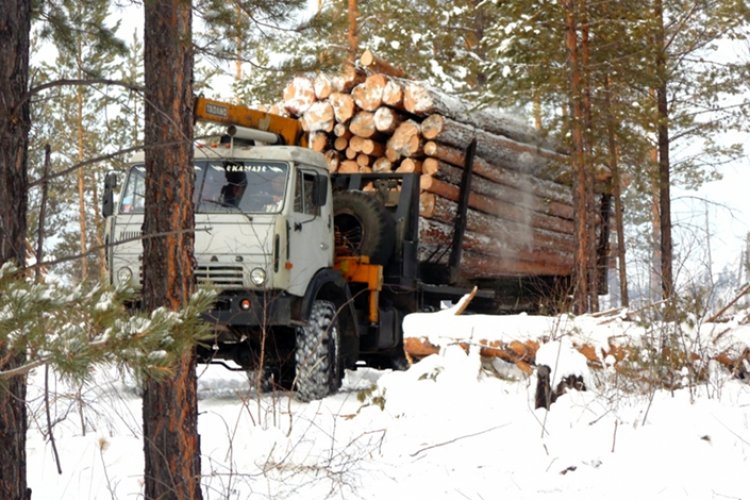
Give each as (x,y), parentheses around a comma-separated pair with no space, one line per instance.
(363,226)
(318,360)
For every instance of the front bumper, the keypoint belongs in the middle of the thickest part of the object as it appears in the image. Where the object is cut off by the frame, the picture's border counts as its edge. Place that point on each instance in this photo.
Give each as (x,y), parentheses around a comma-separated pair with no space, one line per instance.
(268,308)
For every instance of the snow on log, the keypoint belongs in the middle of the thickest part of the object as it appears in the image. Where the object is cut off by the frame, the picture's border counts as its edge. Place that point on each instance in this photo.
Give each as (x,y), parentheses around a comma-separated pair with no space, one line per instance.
(363,124)
(422,100)
(299,95)
(322,86)
(386,120)
(503,150)
(318,117)
(406,139)
(343,106)
(368,95)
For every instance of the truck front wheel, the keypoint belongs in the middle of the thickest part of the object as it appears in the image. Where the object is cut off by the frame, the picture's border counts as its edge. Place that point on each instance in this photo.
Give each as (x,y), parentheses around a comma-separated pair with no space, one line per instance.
(317,357)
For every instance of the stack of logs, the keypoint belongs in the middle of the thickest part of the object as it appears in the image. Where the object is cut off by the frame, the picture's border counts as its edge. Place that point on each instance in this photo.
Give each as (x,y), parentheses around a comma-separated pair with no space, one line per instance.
(520,217)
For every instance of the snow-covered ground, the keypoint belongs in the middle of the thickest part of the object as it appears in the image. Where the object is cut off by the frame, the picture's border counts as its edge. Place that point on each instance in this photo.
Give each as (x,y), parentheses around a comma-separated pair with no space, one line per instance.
(449,427)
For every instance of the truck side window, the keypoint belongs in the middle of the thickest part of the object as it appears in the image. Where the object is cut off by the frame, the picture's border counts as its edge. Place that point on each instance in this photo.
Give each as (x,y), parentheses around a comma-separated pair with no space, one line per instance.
(133,197)
(303,194)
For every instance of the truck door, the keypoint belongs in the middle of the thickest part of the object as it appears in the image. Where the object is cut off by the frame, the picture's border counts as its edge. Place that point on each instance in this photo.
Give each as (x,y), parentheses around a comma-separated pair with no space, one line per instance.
(310,232)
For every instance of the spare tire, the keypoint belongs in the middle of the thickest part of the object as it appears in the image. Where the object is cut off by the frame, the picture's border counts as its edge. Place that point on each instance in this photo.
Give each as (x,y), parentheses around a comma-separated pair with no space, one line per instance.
(363,226)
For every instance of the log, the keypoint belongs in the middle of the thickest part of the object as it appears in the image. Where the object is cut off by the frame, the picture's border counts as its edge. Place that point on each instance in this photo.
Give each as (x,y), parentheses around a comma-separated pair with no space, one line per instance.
(522,354)
(355,142)
(322,86)
(503,151)
(341,130)
(332,158)
(340,143)
(392,155)
(478,266)
(422,100)
(382,164)
(319,141)
(350,153)
(480,185)
(373,63)
(299,95)
(318,117)
(347,79)
(501,209)
(393,94)
(437,234)
(409,166)
(540,187)
(386,120)
(430,165)
(343,106)
(363,160)
(363,124)
(515,234)
(372,148)
(406,139)
(369,94)
(348,167)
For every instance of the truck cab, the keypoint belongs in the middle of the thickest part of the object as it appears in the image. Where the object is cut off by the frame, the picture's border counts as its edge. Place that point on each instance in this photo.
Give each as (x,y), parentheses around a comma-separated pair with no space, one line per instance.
(264,240)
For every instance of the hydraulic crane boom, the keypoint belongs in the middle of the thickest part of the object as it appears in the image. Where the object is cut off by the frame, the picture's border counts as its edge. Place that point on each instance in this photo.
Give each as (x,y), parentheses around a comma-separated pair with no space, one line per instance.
(289,129)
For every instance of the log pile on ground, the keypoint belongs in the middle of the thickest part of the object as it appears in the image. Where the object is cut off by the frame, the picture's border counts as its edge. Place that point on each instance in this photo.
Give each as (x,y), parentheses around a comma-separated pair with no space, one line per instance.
(520,215)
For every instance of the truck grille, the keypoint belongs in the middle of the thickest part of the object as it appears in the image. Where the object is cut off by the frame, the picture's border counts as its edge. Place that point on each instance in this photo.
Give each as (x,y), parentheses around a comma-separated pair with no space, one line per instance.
(221,276)
(129,235)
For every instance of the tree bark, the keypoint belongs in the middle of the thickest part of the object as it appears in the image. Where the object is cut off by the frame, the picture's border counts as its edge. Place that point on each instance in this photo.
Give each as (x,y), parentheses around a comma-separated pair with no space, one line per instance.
(170,406)
(540,187)
(15,123)
(522,157)
(614,165)
(516,234)
(581,293)
(501,209)
(662,106)
(485,187)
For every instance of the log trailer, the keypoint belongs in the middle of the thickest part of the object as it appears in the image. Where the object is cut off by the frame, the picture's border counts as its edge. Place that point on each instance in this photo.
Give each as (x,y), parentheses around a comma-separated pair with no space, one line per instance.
(314,272)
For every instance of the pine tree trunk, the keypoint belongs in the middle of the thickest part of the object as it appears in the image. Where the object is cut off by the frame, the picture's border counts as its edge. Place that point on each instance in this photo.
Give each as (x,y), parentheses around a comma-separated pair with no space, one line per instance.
(15,122)
(616,193)
(352,29)
(170,409)
(591,208)
(81,181)
(665,212)
(580,179)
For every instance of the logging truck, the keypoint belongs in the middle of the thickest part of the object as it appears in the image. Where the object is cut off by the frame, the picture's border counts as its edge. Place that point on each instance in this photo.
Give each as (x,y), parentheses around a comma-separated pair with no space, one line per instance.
(314,271)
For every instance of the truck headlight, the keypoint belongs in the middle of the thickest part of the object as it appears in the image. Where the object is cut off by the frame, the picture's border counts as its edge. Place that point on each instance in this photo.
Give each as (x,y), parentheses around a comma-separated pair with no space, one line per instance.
(258,276)
(124,275)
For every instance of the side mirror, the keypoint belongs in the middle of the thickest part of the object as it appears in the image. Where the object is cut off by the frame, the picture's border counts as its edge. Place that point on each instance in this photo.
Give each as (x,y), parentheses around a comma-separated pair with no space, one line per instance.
(320,193)
(108,198)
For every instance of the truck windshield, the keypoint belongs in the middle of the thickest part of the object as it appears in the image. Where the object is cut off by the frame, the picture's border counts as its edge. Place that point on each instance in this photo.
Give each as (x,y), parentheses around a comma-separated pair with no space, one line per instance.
(221,186)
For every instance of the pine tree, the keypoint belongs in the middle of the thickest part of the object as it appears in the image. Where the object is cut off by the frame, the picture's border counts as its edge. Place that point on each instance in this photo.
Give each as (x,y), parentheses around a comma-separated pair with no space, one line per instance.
(86,52)
(15,122)
(170,406)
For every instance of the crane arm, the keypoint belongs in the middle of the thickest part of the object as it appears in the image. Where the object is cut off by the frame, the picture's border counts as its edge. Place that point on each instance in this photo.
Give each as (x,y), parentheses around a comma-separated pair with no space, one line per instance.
(289,129)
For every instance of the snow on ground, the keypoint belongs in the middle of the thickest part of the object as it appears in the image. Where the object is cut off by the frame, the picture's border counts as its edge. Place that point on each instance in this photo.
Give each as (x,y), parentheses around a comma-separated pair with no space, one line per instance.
(446,428)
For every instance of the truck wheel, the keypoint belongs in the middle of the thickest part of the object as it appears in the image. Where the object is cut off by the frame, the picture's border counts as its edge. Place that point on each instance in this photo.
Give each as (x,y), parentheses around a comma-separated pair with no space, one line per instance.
(363,226)
(319,371)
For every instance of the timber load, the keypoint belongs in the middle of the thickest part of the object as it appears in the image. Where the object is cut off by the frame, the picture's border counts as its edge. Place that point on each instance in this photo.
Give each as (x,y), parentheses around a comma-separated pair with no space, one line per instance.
(518,212)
